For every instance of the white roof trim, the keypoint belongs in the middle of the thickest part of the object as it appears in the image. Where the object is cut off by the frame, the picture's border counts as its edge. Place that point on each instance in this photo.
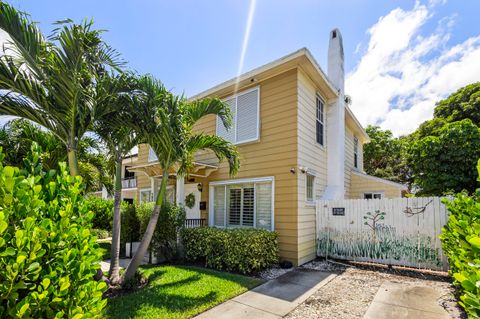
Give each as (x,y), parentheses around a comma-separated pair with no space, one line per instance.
(265,67)
(357,122)
(378,179)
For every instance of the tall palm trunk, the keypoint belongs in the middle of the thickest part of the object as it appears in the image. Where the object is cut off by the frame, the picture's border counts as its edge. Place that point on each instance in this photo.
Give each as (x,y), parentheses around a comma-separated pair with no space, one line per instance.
(114,272)
(152,223)
(72,161)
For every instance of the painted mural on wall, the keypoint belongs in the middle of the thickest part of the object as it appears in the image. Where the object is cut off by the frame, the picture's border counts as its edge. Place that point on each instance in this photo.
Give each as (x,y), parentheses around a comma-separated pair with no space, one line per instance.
(397,232)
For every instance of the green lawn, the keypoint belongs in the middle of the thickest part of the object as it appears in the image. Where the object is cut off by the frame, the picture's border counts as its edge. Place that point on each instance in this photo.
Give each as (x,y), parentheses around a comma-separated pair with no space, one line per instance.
(178,292)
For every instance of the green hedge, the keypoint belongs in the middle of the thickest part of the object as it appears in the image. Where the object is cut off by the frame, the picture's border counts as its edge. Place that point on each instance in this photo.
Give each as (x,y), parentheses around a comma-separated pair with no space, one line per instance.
(240,250)
(48,255)
(103,212)
(461,243)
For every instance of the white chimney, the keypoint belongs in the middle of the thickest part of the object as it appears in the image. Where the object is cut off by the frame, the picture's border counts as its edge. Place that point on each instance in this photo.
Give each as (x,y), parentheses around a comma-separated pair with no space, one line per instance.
(336,120)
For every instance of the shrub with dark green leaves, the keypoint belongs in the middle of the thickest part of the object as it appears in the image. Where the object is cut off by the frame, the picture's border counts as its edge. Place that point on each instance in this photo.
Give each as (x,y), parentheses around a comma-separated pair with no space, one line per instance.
(130,226)
(103,210)
(461,243)
(240,250)
(170,221)
(48,255)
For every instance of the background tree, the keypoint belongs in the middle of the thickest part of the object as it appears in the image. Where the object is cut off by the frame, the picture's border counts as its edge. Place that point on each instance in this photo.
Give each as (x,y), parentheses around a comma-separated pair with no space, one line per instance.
(445,162)
(165,122)
(463,104)
(52,82)
(443,150)
(384,155)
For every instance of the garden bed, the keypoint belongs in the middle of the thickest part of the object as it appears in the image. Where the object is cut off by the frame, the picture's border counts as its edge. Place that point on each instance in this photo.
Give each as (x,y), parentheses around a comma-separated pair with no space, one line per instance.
(178,292)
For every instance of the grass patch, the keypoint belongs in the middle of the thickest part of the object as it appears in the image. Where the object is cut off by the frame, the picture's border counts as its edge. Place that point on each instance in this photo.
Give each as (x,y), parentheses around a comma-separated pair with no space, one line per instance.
(178,292)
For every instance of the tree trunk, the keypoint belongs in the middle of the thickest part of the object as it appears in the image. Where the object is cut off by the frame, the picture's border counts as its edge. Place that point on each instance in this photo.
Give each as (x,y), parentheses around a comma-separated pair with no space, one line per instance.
(152,223)
(114,272)
(72,161)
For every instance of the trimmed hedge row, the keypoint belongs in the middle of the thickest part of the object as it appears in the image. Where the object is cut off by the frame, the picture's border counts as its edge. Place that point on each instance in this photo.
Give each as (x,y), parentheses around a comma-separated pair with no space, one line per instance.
(461,243)
(240,249)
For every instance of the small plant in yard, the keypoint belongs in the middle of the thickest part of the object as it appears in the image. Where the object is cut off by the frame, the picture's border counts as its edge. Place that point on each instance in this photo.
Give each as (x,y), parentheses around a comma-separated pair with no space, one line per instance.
(48,254)
(461,243)
(241,250)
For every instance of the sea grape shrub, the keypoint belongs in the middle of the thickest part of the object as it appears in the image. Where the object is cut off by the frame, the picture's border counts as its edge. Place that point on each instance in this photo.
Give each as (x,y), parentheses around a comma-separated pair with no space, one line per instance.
(48,255)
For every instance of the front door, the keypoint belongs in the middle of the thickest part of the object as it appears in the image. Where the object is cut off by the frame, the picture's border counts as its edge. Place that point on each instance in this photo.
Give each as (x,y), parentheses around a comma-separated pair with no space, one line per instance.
(193,212)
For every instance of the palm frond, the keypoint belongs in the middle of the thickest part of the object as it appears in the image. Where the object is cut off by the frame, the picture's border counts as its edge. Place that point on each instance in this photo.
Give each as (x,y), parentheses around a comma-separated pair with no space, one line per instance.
(219,146)
(198,109)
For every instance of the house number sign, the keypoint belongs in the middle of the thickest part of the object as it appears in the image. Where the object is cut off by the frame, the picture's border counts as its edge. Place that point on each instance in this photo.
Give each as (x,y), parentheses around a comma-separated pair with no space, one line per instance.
(338,211)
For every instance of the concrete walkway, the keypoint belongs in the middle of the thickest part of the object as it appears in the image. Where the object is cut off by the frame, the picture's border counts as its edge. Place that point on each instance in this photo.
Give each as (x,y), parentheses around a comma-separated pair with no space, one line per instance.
(273,299)
(105,264)
(403,301)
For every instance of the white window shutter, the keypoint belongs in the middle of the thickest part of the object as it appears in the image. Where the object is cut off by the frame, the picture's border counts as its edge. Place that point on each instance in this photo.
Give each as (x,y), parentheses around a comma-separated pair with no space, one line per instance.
(247,116)
(219,206)
(264,205)
(228,135)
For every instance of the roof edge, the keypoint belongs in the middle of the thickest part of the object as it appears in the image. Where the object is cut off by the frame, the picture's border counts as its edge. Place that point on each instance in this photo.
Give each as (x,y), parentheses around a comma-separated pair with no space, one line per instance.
(378,179)
(252,73)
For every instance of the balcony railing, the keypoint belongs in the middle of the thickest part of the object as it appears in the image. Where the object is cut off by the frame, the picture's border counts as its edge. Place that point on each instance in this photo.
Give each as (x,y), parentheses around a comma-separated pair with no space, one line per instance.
(129,182)
(195,222)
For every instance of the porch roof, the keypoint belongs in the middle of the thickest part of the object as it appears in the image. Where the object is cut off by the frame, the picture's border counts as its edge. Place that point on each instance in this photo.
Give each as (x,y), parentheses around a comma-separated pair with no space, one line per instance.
(153,169)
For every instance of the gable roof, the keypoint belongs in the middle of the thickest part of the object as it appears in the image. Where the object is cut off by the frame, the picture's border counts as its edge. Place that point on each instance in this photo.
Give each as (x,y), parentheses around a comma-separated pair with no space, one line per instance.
(302,58)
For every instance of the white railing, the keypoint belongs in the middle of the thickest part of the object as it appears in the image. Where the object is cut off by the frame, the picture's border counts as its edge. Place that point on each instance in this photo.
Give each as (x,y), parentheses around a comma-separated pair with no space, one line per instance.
(400,231)
(129,182)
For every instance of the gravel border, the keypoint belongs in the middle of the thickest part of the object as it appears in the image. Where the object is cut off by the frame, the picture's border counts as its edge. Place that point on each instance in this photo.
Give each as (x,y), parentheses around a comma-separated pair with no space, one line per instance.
(349,295)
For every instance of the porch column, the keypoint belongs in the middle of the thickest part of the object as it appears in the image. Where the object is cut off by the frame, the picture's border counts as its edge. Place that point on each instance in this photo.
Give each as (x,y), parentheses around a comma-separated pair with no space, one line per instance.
(152,192)
(180,191)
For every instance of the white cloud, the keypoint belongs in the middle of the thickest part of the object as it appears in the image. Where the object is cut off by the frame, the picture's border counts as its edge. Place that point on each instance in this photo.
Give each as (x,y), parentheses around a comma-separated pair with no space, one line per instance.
(402,73)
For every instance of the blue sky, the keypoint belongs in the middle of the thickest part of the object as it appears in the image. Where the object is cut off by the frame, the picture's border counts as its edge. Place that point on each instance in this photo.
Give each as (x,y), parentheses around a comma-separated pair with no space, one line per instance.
(193,45)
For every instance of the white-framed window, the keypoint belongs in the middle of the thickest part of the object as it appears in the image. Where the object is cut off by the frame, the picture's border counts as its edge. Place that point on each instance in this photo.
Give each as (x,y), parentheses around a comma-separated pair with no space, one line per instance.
(242,203)
(320,121)
(355,152)
(152,157)
(309,187)
(146,195)
(245,108)
(373,195)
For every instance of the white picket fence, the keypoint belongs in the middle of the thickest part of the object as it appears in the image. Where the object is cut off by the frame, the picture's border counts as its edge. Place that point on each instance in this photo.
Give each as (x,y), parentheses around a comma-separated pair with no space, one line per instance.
(400,231)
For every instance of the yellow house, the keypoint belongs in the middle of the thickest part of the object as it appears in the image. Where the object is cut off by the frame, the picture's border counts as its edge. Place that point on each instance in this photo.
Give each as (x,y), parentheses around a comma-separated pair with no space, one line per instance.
(298,142)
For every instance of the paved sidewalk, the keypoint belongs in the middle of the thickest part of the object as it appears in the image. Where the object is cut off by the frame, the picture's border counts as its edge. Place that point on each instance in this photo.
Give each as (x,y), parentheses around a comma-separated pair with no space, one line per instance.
(273,299)
(404,301)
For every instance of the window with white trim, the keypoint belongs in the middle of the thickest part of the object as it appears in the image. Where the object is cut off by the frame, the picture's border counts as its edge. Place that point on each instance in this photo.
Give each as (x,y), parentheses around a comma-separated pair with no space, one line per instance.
(152,157)
(372,195)
(146,196)
(245,115)
(320,121)
(248,204)
(355,152)
(310,187)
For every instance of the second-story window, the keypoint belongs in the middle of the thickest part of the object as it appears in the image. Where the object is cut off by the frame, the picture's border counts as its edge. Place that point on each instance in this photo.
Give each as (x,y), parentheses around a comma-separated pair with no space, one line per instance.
(355,152)
(320,121)
(245,115)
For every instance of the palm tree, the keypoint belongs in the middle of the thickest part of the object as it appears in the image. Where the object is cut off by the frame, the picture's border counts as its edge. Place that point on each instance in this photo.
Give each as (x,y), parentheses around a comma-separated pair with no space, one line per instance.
(119,140)
(165,122)
(52,82)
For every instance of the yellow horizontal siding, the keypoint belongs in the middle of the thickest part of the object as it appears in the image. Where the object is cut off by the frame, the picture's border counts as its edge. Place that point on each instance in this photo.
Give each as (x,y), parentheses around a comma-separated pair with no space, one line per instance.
(273,155)
(362,185)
